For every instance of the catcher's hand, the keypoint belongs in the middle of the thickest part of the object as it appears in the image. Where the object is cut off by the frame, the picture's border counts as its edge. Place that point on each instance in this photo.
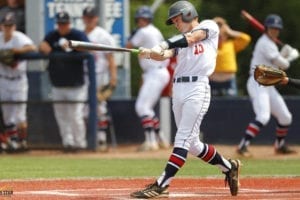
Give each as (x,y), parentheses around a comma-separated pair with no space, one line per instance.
(7,57)
(266,75)
(105,92)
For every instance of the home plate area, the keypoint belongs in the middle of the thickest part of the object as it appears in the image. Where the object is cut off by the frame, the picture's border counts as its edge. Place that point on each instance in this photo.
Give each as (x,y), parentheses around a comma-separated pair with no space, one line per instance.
(181,188)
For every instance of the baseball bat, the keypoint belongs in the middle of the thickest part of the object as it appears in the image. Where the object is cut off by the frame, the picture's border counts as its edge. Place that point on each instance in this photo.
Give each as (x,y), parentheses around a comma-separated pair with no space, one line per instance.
(257,24)
(98,47)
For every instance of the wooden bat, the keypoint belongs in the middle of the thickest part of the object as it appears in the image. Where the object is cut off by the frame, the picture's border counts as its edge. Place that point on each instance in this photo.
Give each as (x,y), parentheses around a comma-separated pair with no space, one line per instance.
(98,47)
(256,24)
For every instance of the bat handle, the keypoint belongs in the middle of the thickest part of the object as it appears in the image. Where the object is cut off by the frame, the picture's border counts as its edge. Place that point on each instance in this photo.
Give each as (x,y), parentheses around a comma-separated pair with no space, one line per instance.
(135,51)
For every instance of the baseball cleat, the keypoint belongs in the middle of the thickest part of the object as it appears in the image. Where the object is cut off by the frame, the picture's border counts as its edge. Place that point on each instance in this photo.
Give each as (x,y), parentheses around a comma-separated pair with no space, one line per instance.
(244,152)
(232,177)
(151,191)
(283,150)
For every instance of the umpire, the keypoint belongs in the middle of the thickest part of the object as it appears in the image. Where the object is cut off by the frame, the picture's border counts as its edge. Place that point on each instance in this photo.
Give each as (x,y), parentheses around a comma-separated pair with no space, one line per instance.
(67,77)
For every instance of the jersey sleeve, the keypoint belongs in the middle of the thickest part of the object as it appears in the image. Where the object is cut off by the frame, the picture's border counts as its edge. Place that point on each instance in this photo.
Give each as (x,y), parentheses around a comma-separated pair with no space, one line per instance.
(137,39)
(270,51)
(210,27)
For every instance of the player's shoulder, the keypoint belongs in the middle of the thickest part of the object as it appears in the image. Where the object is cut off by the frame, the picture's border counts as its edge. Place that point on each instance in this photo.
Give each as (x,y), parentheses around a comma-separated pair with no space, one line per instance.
(101,31)
(149,30)
(264,40)
(208,23)
(76,31)
(20,35)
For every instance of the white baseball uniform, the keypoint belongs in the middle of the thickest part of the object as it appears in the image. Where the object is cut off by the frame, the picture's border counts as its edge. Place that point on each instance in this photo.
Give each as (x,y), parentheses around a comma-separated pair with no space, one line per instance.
(266,100)
(100,36)
(155,73)
(191,90)
(13,81)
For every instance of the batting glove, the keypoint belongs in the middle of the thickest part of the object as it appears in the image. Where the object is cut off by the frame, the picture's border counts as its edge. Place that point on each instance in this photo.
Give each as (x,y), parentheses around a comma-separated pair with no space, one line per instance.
(294,54)
(144,53)
(159,49)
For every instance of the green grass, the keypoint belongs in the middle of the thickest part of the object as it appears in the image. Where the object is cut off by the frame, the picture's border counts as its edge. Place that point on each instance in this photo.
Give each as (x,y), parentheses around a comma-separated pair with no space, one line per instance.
(23,167)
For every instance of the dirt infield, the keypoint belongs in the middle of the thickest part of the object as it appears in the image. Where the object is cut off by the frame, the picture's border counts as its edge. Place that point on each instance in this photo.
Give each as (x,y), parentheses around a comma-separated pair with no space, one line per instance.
(259,188)
(192,189)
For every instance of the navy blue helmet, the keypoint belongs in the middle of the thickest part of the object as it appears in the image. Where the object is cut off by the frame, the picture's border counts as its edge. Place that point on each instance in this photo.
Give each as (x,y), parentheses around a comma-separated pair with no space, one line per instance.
(273,21)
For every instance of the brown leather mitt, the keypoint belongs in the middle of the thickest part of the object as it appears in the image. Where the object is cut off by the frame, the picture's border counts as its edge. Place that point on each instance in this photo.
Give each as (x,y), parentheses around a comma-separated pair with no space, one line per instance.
(105,92)
(266,75)
(7,57)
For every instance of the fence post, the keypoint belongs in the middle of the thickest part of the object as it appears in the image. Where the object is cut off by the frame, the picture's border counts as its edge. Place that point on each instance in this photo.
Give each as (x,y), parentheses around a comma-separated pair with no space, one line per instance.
(92,101)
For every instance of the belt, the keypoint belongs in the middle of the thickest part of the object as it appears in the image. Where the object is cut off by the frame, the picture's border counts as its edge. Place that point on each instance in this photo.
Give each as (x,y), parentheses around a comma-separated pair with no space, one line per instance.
(10,77)
(185,79)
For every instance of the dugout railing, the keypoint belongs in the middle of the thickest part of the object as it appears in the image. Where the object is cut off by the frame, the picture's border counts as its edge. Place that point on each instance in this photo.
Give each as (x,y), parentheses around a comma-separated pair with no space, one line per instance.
(92,99)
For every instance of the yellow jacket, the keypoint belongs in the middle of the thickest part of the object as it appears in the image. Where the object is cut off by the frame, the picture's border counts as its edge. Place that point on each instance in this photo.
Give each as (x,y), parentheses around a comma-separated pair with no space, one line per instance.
(226,58)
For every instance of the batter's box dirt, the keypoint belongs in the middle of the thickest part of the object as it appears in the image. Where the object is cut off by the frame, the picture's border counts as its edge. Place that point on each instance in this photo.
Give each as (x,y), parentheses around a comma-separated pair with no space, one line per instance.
(181,188)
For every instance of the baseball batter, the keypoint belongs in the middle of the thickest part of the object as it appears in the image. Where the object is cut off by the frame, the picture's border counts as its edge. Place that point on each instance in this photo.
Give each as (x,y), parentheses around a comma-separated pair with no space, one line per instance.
(196,51)
(155,78)
(267,100)
(106,69)
(14,85)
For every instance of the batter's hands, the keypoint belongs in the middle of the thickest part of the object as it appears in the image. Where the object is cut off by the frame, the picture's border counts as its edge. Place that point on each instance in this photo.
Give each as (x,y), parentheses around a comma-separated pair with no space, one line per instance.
(144,53)
(294,54)
(289,53)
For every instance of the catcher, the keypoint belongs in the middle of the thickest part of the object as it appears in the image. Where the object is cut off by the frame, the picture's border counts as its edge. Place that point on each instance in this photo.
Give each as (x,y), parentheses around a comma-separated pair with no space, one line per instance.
(13,84)
(268,76)
(267,100)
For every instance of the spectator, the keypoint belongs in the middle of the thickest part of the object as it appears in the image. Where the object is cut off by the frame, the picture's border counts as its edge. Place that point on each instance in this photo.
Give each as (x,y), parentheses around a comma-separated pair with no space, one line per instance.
(17,7)
(155,79)
(106,69)
(14,86)
(223,80)
(67,77)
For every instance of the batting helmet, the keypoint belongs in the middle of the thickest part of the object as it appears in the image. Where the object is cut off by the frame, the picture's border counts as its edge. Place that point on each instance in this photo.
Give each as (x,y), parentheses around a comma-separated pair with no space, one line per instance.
(184,8)
(144,12)
(273,21)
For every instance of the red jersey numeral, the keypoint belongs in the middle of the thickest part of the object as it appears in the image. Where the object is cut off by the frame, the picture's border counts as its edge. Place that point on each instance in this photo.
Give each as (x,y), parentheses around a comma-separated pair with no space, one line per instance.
(198,49)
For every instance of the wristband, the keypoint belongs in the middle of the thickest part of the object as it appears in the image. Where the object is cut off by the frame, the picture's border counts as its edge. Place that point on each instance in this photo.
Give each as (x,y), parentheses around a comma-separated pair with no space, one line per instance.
(177,41)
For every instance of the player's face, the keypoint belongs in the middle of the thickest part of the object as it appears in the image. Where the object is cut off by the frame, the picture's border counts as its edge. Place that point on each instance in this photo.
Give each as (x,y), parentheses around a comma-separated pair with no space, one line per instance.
(180,25)
(141,22)
(273,33)
(63,28)
(8,29)
(90,22)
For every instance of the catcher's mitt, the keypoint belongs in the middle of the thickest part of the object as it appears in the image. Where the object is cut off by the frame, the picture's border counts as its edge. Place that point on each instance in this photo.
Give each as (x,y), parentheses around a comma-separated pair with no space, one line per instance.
(105,92)
(7,57)
(266,75)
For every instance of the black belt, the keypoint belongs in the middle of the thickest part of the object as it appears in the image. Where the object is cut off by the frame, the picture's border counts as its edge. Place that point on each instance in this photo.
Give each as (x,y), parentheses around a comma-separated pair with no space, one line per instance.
(185,79)
(10,77)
